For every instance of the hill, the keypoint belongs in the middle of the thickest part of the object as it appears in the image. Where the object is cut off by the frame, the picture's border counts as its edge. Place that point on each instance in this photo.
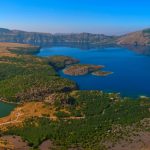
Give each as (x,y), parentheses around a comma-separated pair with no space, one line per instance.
(140,38)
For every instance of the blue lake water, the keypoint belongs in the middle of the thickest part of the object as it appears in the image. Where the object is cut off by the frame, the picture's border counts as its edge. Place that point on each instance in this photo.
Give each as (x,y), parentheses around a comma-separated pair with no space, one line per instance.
(131,70)
(6,108)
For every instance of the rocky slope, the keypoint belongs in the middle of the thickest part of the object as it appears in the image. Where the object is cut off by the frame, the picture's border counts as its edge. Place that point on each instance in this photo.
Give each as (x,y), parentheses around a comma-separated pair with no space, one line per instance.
(136,38)
(47,38)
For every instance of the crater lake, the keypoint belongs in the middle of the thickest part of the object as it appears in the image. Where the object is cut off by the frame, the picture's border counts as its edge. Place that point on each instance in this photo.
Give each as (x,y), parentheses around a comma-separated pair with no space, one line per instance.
(131,70)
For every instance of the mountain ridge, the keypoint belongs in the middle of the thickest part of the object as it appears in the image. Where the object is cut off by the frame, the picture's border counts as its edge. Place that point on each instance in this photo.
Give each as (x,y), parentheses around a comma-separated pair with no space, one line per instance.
(38,38)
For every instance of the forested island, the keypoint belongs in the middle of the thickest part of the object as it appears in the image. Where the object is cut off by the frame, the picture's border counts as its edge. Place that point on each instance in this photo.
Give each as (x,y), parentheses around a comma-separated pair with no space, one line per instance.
(52,112)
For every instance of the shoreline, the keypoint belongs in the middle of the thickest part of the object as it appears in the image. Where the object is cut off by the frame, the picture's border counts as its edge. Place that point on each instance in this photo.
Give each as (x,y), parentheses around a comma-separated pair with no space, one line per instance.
(9,102)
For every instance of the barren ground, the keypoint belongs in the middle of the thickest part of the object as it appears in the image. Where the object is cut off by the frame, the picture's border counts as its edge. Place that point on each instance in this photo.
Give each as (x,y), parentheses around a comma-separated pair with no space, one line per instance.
(5,48)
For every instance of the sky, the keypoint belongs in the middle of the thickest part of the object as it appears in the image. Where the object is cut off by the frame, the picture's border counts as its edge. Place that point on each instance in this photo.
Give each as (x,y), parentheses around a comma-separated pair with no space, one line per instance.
(111,17)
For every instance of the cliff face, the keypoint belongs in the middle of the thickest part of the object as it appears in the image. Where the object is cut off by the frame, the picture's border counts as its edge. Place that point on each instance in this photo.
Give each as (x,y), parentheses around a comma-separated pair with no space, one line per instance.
(36,38)
(24,37)
(137,38)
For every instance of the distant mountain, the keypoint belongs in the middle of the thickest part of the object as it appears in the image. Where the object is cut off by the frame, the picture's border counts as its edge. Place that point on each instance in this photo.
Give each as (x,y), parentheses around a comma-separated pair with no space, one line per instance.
(139,38)
(36,38)
(136,38)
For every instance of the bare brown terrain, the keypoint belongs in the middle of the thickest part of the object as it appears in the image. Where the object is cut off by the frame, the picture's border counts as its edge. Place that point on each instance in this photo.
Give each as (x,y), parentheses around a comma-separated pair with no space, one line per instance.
(13,143)
(32,109)
(80,69)
(139,142)
(9,142)
(27,110)
(5,48)
(47,145)
(136,38)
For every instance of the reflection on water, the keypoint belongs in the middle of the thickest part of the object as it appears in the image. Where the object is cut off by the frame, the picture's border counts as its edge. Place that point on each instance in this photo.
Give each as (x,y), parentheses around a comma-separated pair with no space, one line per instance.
(82,46)
(144,50)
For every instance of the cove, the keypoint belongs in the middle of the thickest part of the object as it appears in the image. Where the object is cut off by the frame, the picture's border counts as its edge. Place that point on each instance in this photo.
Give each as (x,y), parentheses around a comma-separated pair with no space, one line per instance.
(5,109)
(131,75)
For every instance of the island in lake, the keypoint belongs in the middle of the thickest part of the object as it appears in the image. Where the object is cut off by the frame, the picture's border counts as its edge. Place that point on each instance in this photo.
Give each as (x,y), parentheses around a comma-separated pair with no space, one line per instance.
(84,69)
(101,73)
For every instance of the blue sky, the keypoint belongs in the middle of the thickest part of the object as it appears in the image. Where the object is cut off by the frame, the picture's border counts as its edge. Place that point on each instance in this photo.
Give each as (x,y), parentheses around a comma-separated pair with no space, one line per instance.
(65,16)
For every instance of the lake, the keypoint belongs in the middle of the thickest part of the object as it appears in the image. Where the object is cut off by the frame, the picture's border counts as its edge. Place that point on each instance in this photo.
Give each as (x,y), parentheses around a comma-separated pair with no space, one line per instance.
(131,75)
(6,108)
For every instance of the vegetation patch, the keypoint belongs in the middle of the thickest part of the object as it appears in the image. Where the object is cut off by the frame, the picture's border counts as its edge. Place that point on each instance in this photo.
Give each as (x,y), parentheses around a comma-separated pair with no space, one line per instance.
(33,87)
(60,62)
(24,65)
(101,113)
